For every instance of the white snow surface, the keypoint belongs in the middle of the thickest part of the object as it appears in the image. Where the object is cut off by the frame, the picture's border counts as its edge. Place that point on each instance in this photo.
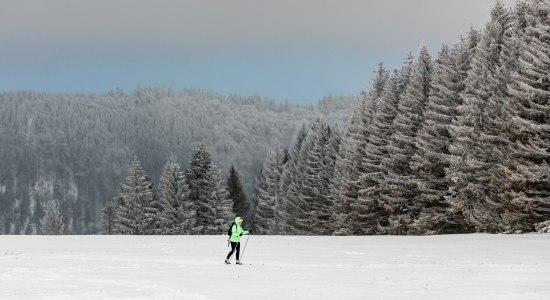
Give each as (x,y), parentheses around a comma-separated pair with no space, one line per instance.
(476,266)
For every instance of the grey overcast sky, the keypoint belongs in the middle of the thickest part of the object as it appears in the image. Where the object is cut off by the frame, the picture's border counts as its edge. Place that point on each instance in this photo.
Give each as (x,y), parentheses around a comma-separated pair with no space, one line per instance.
(298,50)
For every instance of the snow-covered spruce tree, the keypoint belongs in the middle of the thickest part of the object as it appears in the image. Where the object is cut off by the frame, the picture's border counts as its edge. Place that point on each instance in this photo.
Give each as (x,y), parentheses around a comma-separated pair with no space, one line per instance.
(433,140)
(350,154)
(207,193)
(441,218)
(333,149)
(528,112)
(283,216)
(344,182)
(169,191)
(136,212)
(267,188)
(398,187)
(236,193)
(186,210)
(295,207)
(367,207)
(313,182)
(221,198)
(475,174)
(325,209)
(513,38)
(52,222)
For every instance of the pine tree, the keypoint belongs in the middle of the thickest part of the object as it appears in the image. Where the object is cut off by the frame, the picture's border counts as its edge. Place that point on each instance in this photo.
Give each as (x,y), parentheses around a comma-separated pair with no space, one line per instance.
(236,193)
(333,151)
(223,204)
(169,189)
(267,188)
(351,152)
(433,140)
(136,212)
(367,208)
(52,222)
(528,111)
(186,210)
(344,183)
(398,188)
(324,222)
(476,166)
(315,205)
(287,194)
(206,192)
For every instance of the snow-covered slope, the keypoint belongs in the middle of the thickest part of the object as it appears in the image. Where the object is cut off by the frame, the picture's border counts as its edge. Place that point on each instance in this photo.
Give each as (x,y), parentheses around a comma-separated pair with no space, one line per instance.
(279,267)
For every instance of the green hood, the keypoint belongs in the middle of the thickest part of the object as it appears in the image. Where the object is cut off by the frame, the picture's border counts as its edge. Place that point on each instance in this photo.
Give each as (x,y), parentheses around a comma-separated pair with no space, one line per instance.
(237,231)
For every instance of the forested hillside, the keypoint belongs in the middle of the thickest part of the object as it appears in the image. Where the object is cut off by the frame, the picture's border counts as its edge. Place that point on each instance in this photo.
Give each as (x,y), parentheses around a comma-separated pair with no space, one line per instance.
(76,148)
(459,143)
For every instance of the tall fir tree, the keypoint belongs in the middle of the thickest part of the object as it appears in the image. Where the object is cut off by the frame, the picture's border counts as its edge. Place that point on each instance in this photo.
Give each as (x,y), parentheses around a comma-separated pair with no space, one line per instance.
(324,222)
(313,213)
(287,195)
(236,193)
(344,182)
(206,192)
(351,152)
(331,158)
(169,189)
(367,208)
(220,197)
(476,166)
(267,190)
(398,188)
(136,212)
(528,112)
(433,139)
(186,209)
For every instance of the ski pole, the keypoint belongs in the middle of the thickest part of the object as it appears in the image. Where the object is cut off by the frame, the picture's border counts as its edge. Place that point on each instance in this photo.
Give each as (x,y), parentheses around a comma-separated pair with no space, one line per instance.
(242,254)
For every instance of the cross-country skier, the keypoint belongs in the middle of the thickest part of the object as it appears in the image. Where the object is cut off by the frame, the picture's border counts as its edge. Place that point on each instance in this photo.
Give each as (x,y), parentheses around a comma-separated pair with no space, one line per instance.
(235,239)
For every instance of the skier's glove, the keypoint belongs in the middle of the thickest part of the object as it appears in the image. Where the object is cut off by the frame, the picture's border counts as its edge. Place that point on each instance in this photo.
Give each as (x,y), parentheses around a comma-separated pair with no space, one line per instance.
(241,234)
(250,232)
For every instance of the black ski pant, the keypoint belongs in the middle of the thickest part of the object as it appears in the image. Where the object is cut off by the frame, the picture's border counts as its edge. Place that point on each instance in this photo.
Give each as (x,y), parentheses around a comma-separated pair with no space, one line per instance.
(233,246)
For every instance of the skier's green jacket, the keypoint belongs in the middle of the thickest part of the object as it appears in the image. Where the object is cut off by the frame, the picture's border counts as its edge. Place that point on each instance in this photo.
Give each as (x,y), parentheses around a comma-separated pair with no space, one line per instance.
(237,231)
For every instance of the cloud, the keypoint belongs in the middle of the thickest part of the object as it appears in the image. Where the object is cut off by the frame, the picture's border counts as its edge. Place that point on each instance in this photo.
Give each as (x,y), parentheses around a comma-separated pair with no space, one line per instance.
(219,24)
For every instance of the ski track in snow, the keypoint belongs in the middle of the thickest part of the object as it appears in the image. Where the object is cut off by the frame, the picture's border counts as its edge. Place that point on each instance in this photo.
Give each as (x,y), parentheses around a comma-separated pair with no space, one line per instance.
(476,266)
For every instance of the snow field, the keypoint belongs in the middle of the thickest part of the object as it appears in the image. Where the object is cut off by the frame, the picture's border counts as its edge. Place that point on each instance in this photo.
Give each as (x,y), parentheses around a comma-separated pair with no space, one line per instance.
(474,266)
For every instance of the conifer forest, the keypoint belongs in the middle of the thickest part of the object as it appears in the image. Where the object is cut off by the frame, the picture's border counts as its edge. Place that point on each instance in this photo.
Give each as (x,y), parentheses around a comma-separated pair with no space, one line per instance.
(455,142)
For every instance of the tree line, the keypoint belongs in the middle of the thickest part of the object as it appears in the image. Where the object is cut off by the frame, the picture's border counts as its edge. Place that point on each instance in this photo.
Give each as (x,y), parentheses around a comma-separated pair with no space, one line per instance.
(194,201)
(75,148)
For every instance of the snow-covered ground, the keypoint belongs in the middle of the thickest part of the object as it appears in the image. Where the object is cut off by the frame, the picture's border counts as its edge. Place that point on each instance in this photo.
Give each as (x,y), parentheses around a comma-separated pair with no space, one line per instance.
(279,267)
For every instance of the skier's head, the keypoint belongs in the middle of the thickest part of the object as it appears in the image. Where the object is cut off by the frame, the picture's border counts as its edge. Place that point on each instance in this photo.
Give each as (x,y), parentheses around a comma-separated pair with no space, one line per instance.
(239,220)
